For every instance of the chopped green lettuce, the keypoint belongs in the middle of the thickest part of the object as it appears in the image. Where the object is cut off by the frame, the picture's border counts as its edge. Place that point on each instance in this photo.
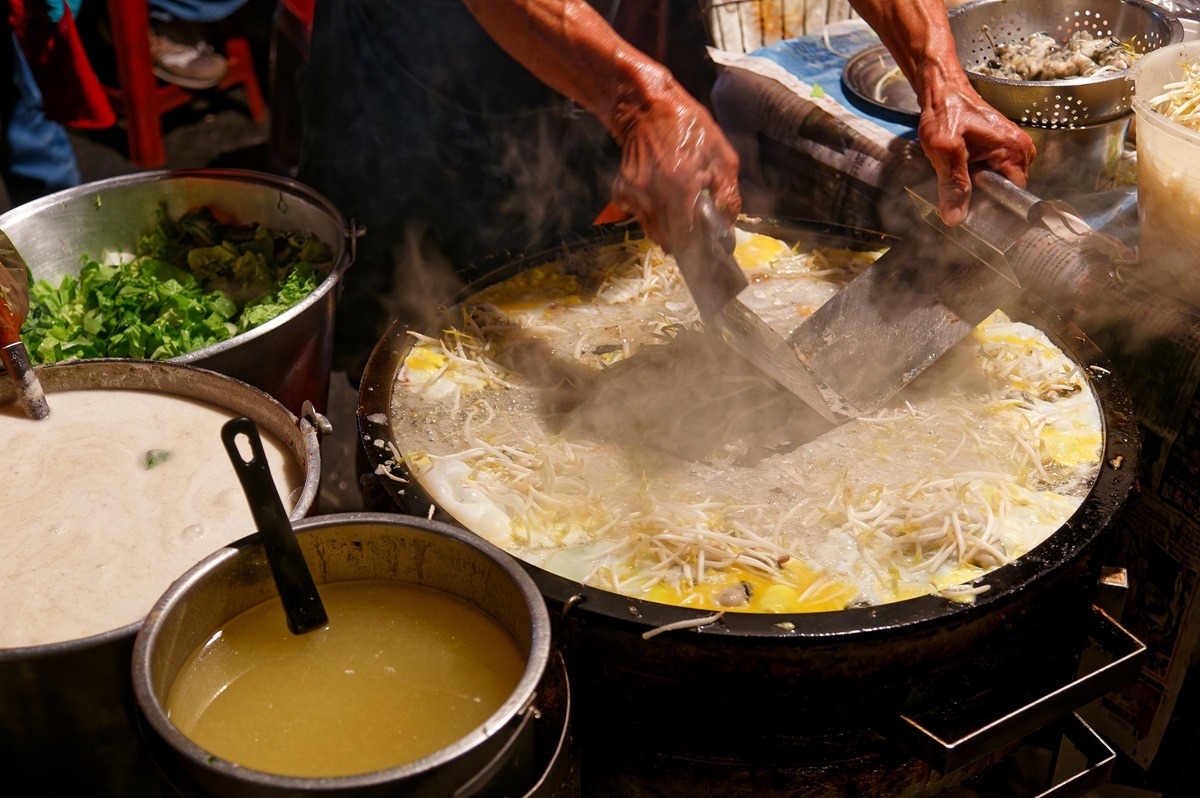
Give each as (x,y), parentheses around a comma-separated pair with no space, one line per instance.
(156,457)
(194,282)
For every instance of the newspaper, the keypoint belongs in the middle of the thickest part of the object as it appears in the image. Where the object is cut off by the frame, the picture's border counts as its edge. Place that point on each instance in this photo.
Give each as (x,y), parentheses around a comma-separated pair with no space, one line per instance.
(805,152)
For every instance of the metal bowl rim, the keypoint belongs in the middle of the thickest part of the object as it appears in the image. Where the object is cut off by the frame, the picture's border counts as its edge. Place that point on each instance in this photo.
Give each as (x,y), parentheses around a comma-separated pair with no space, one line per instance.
(308,494)
(343,254)
(1155,11)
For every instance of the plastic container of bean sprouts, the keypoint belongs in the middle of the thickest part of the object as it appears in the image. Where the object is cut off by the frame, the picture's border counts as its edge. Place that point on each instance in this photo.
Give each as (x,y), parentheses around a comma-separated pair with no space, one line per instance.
(1168,173)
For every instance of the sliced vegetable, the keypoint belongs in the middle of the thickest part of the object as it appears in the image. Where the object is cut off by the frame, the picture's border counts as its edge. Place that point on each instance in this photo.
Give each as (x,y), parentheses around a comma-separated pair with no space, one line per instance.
(194,282)
(156,457)
(1180,100)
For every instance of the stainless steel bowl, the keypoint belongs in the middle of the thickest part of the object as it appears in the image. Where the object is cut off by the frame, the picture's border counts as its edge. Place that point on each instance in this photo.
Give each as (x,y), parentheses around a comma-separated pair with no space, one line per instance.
(354,546)
(66,709)
(1082,158)
(290,356)
(1058,103)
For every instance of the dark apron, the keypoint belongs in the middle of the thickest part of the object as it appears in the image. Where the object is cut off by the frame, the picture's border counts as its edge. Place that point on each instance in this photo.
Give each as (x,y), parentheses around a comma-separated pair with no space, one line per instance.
(418,126)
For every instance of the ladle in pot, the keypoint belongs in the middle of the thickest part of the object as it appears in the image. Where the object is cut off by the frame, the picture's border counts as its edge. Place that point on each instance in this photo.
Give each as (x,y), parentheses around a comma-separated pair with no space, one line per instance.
(301,603)
(14,305)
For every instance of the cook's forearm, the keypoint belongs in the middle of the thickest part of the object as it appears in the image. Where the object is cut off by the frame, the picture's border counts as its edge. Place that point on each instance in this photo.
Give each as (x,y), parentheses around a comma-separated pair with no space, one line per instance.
(917,33)
(568,46)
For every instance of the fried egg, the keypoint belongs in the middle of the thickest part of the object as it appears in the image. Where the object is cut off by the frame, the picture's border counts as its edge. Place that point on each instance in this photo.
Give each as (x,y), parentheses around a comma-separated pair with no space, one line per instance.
(577,419)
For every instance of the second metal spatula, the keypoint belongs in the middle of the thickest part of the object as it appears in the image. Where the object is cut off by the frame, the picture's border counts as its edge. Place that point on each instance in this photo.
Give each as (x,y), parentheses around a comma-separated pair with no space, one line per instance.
(885,327)
(911,306)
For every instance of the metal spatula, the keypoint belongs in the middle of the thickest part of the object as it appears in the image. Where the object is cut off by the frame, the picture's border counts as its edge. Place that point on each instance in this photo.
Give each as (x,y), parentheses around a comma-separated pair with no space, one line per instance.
(889,324)
(714,280)
(910,307)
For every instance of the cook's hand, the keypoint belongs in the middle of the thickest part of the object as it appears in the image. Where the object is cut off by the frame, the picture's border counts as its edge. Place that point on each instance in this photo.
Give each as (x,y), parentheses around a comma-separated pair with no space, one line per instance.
(671,151)
(958,129)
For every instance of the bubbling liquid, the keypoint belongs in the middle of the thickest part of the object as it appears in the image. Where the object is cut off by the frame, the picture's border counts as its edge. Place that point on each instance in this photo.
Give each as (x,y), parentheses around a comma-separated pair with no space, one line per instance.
(399,672)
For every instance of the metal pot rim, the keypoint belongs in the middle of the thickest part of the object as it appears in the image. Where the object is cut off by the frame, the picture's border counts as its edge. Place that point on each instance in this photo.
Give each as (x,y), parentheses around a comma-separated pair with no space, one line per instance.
(1107,492)
(517,703)
(50,376)
(343,250)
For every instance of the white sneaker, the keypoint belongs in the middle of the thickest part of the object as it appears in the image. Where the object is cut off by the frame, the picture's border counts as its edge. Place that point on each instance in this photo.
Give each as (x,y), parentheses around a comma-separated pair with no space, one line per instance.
(192,66)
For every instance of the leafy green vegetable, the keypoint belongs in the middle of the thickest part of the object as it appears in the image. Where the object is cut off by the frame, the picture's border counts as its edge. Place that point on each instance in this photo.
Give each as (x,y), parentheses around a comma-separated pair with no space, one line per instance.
(195,282)
(156,457)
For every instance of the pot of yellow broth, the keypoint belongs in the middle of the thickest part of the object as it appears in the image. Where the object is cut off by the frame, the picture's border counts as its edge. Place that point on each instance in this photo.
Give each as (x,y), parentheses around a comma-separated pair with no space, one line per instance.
(105,503)
(425,681)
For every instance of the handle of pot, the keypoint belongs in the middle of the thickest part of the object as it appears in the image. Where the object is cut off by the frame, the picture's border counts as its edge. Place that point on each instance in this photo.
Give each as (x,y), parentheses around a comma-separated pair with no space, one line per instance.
(482,782)
(1098,754)
(1126,653)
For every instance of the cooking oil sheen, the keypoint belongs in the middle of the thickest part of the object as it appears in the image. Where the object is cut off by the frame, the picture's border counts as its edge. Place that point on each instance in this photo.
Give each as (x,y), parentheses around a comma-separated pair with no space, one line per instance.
(399,672)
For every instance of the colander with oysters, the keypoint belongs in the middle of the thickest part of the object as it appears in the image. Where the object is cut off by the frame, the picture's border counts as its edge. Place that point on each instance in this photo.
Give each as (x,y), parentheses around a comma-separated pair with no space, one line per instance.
(1058,65)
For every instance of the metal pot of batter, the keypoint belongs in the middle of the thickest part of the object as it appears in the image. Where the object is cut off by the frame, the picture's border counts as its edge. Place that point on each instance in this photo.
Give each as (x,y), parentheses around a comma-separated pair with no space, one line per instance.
(66,708)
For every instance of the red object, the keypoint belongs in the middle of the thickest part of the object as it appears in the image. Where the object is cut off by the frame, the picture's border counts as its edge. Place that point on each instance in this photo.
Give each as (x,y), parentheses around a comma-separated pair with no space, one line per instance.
(612,214)
(71,92)
(301,11)
(143,100)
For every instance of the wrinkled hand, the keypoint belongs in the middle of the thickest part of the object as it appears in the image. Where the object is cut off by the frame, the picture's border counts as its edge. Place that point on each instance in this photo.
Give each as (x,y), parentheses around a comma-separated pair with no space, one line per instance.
(958,129)
(671,151)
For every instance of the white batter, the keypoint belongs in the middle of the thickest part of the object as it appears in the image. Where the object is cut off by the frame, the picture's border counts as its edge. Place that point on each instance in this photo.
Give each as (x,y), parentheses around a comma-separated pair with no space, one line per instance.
(90,537)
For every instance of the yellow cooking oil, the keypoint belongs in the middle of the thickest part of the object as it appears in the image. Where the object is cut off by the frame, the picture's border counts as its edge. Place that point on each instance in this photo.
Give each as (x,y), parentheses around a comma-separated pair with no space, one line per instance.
(399,672)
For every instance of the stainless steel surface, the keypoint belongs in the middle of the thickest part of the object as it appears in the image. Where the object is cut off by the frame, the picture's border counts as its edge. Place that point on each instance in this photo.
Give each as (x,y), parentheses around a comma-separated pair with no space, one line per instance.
(1099,759)
(900,315)
(1058,103)
(988,232)
(873,77)
(752,338)
(1080,158)
(344,547)
(66,711)
(290,356)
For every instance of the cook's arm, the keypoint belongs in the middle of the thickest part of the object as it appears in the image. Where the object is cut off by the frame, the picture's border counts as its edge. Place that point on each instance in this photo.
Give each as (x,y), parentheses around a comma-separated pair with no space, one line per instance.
(957,127)
(671,147)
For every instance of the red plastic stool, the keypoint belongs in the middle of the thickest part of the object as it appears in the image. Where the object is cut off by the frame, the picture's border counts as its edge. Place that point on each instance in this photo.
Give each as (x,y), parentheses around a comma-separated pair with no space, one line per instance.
(143,101)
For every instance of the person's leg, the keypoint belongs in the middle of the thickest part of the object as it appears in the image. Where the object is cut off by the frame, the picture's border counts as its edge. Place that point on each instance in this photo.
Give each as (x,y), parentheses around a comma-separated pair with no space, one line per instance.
(202,11)
(38,158)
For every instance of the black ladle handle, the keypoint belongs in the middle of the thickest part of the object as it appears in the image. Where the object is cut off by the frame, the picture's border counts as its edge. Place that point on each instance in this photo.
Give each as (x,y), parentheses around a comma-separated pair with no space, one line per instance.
(301,603)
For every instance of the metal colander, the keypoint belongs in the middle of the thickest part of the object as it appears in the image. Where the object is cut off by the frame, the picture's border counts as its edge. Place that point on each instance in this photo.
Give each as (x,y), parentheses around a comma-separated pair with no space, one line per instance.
(1069,103)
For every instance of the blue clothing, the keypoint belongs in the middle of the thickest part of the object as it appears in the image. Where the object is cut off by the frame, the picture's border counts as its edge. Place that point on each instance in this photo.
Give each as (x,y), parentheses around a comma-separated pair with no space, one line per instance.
(59,7)
(194,10)
(38,154)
